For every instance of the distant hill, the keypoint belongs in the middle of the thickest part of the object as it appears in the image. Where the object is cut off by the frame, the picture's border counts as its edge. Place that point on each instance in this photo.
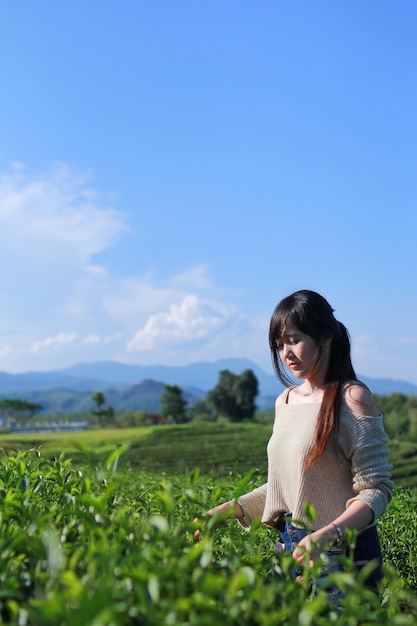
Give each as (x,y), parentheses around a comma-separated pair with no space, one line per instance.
(38,381)
(143,396)
(127,386)
(101,375)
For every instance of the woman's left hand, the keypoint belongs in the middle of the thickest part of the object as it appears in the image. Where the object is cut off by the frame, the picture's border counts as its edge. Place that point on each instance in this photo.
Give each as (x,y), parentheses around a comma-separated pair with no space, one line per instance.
(311,546)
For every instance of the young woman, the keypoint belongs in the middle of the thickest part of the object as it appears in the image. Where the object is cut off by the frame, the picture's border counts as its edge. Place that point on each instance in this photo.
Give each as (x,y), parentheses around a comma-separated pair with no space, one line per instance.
(328,446)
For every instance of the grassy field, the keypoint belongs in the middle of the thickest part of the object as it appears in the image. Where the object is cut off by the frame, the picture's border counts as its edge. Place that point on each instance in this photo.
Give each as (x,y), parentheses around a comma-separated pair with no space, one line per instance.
(57,442)
(213,448)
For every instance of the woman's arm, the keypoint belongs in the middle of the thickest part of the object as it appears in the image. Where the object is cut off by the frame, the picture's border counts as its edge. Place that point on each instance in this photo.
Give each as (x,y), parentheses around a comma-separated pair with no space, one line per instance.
(228,510)
(369,469)
(365,442)
(356,517)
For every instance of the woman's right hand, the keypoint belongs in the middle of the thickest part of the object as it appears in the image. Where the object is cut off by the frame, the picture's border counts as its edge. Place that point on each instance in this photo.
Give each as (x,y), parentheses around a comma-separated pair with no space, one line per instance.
(197,533)
(225,511)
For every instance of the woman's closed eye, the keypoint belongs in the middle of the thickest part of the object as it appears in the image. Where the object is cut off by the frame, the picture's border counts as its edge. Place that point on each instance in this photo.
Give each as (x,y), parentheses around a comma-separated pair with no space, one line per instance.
(288,342)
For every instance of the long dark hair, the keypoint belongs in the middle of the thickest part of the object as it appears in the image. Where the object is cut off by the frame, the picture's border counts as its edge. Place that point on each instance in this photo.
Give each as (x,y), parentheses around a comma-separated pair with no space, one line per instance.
(311,314)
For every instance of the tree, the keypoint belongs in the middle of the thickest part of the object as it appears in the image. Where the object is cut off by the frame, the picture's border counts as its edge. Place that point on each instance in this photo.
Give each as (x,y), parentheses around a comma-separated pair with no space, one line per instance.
(222,397)
(103,413)
(13,408)
(201,411)
(400,414)
(132,419)
(234,395)
(173,403)
(247,389)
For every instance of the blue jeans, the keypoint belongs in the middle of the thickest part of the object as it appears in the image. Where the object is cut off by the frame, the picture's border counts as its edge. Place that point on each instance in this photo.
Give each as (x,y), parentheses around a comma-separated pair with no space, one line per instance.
(290,536)
(367,549)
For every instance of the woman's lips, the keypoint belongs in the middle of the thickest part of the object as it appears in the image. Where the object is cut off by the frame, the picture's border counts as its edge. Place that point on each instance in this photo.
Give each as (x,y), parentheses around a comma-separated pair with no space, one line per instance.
(293,366)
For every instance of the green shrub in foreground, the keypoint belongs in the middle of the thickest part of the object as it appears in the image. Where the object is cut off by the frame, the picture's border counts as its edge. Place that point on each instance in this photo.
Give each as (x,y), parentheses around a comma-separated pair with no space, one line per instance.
(89,546)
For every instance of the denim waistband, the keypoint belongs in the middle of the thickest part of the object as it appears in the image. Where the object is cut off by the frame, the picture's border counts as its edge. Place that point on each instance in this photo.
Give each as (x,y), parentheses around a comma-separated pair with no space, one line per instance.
(289,534)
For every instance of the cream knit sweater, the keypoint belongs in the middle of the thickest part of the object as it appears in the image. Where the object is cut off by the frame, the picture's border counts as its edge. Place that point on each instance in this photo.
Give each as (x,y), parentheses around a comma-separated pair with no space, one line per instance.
(353,466)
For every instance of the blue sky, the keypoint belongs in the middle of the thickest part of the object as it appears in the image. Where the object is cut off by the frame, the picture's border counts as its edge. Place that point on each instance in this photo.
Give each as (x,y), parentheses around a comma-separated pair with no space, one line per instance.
(170,170)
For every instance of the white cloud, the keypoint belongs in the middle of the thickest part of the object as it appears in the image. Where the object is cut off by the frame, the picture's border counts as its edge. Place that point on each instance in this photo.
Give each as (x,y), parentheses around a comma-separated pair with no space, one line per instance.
(189,320)
(399,342)
(139,296)
(54,212)
(6,351)
(52,225)
(53,343)
(197,277)
(92,340)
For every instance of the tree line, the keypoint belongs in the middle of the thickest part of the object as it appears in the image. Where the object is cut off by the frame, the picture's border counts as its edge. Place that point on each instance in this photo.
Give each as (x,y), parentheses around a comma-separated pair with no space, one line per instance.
(12,408)
(233,398)
(400,415)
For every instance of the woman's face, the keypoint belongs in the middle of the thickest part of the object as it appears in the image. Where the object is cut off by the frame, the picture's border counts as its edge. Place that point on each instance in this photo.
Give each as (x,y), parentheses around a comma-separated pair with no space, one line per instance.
(299,352)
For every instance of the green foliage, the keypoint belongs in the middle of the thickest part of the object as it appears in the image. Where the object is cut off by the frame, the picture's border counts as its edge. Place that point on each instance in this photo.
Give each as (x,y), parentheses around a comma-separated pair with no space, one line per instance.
(173,404)
(201,411)
(399,536)
(400,415)
(219,447)
(400,421)
(403,456)
(91,546)
(13,408)
(103,413)
(131,419)
(234,395)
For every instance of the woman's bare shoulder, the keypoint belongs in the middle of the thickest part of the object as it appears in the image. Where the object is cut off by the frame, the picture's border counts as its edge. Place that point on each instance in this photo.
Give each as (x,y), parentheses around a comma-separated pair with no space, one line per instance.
(281,398)
(358,398)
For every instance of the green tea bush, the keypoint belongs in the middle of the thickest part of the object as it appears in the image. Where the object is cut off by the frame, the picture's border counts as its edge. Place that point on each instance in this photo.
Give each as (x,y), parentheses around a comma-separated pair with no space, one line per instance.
(91,546)
(398,530)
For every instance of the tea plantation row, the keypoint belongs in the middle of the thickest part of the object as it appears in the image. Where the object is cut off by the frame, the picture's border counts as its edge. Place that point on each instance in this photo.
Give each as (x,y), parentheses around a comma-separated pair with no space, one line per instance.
(91,546)
(213,448)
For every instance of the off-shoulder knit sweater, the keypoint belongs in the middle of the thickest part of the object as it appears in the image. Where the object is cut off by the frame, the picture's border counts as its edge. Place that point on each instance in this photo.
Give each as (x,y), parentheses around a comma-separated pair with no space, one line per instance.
(353,466)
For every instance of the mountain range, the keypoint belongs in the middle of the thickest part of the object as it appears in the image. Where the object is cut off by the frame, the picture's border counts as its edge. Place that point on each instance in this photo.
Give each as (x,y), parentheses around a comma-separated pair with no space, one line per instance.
(127,385)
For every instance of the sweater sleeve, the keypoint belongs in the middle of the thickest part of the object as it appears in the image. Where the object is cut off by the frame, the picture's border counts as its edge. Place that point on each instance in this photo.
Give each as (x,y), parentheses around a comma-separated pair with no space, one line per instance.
(364,442)
(253,503)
